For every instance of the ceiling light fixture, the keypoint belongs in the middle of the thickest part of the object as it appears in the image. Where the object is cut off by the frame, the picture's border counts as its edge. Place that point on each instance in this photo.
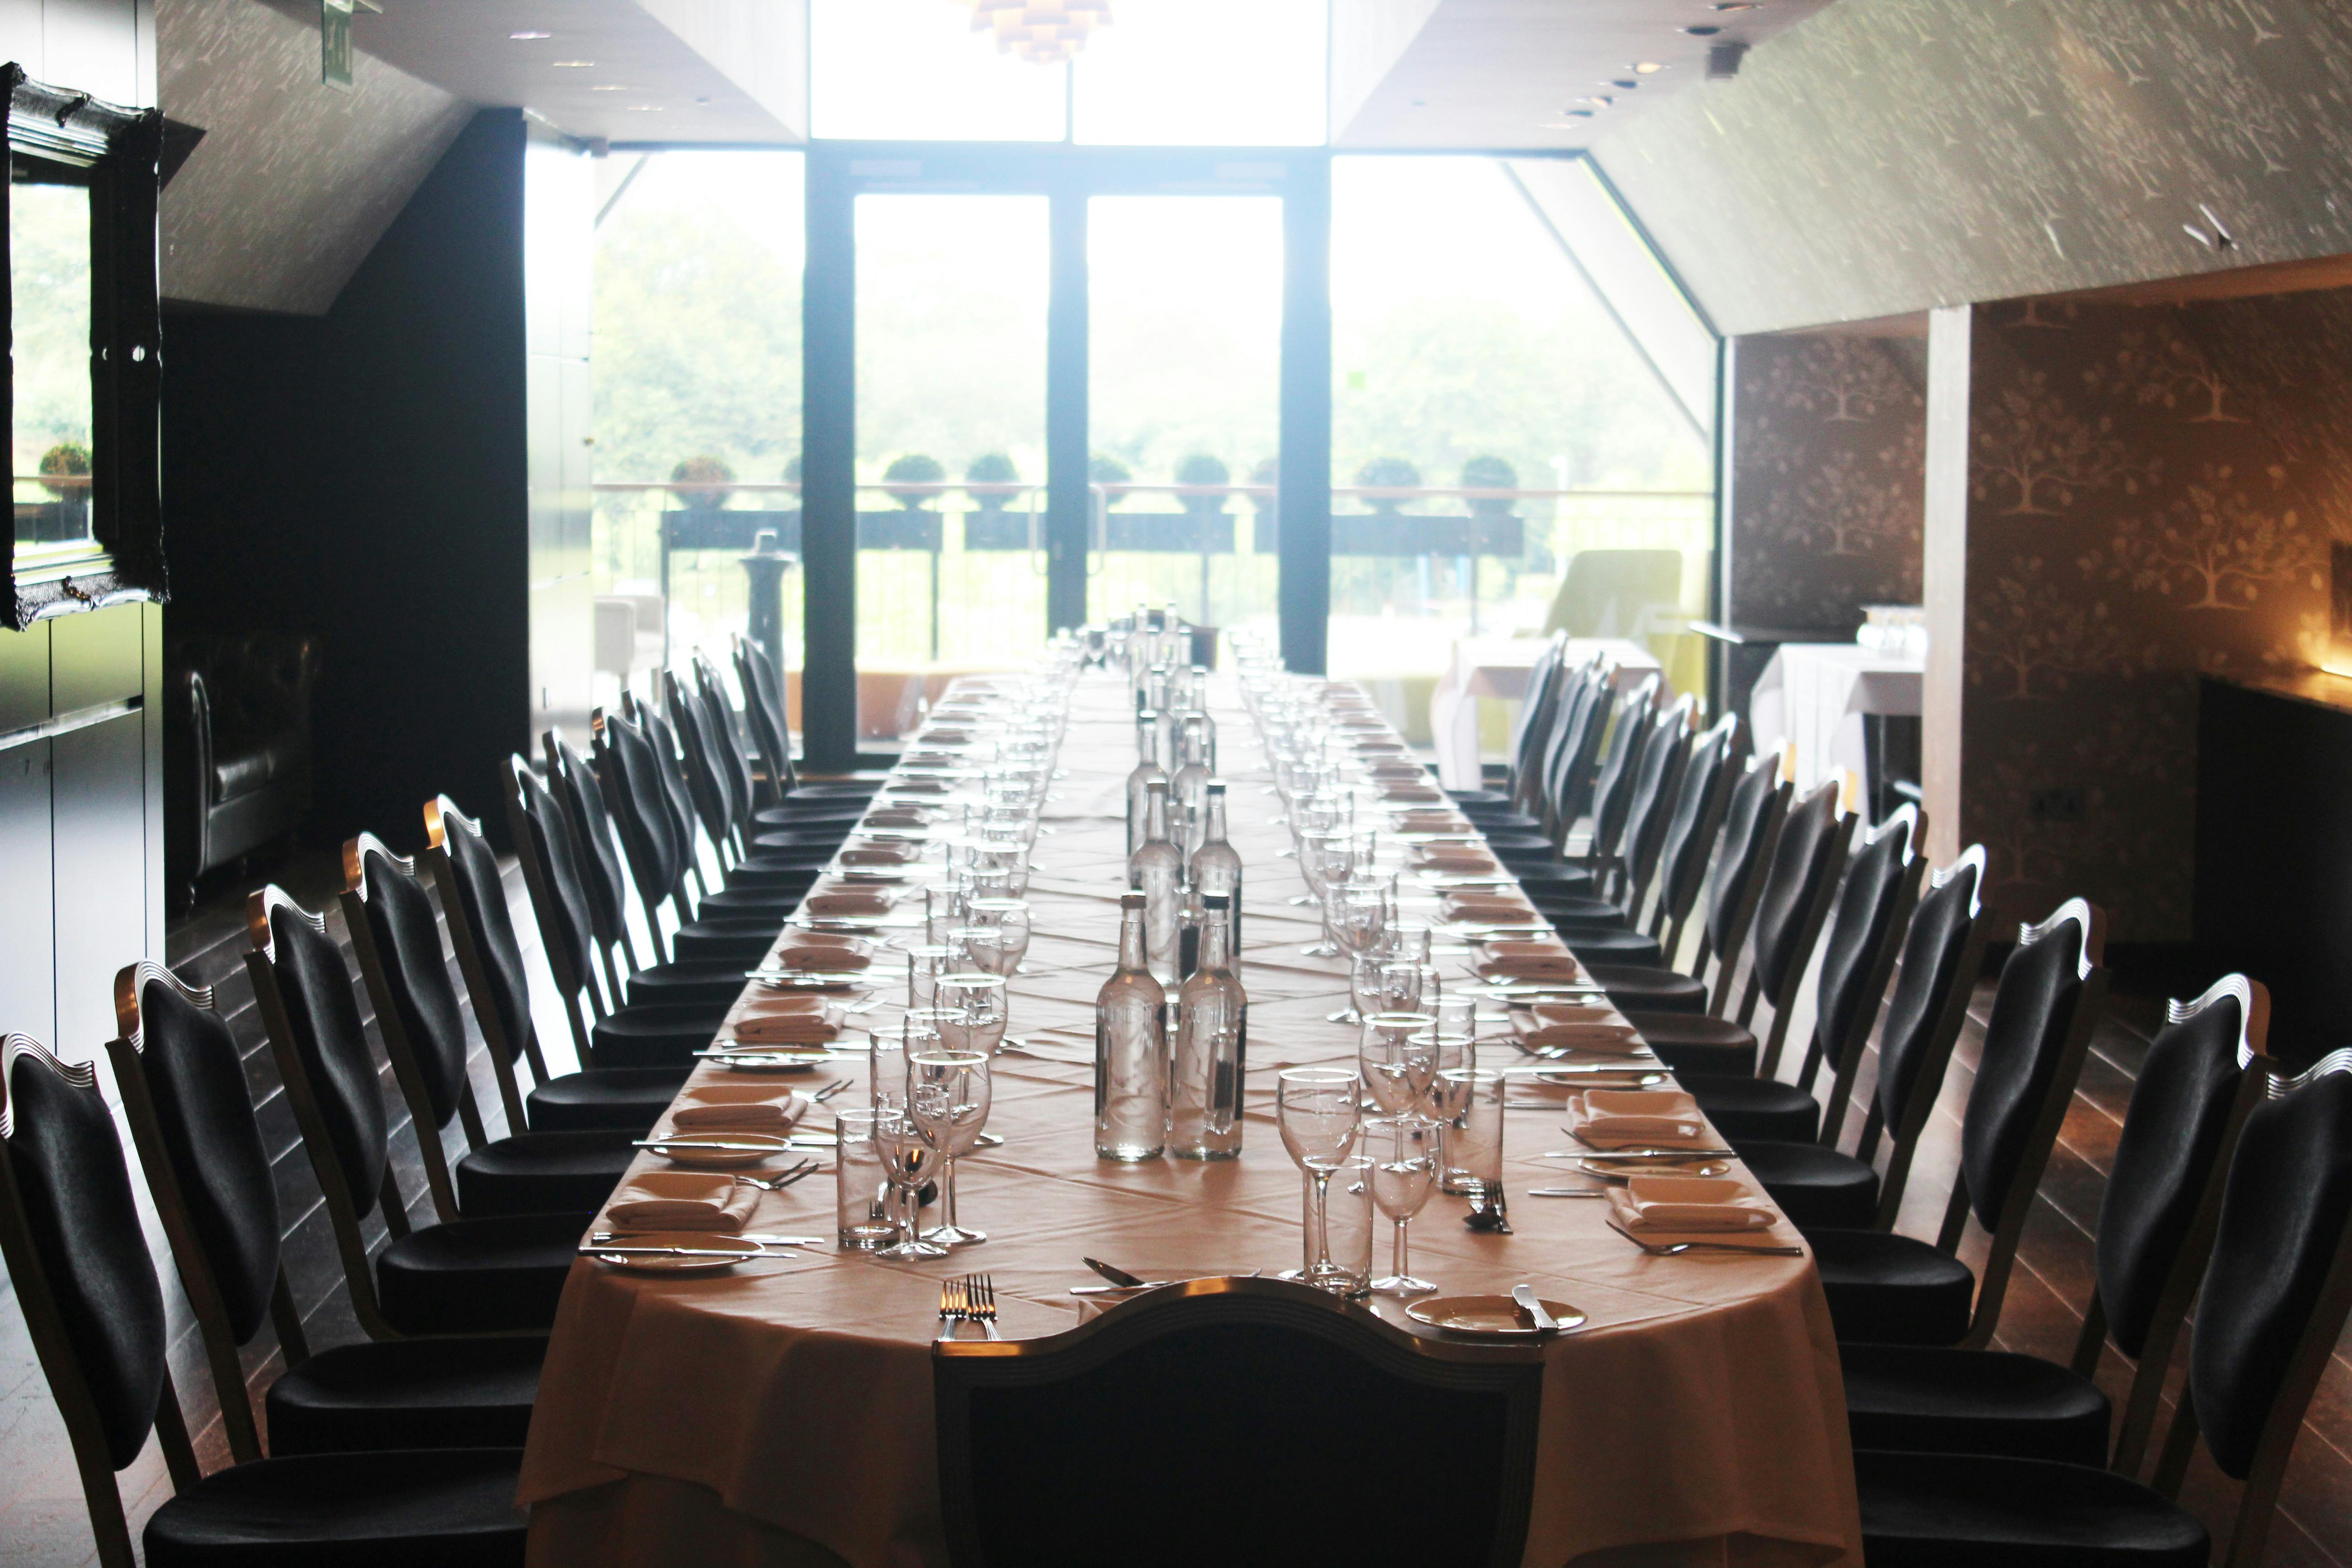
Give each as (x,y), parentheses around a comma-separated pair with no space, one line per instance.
(1645,67)
(1598,100)
(571,64)
(1626,83)
(1707,31)
(610,86)
(1043,32)
(520,38)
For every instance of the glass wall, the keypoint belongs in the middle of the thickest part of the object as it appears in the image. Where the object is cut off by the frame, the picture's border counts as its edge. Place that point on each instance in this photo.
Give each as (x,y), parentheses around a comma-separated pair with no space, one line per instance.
(1505,460)
(1184,340)
(697,367)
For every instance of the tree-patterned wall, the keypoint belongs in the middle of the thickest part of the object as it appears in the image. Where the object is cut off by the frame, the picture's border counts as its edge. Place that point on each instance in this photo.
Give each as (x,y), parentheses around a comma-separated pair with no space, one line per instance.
(1828,444)
(2153,491)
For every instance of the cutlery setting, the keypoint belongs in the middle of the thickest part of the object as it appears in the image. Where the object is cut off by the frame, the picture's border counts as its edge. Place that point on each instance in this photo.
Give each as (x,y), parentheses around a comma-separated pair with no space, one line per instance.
(968,1299)
(781,1179)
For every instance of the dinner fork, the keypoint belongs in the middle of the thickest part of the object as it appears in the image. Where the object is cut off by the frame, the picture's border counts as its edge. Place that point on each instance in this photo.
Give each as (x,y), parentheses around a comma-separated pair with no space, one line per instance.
(781,1179)
(1669,1248)
(980,1302)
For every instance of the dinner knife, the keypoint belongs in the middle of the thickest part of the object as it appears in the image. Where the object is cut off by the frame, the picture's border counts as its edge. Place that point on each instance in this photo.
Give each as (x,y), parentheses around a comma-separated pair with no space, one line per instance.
(1524,1294)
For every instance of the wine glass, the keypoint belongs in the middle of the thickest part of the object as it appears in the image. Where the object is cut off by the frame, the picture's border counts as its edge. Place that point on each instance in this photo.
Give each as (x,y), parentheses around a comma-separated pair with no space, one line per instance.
(948,1094)
(1378,984)
(925,964)
(1357,912)
(1316,1108)
(976,1006)
(1403,1150)
(910,1165)
(1009,919)
(942,911)
(1396,1054)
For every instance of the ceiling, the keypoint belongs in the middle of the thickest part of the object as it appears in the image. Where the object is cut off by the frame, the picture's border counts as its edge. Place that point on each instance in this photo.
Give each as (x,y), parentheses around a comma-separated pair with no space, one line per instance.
(1512,73)
(652,67)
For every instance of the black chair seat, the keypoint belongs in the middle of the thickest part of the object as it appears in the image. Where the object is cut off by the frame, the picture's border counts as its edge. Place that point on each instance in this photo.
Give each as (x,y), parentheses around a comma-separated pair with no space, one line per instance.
(1503,821)
(479,1276)
(765,873)
(725,942)
(1466,798)
(1922,1399)
(1635,988)
(626,1098)
(1554,880)
(543,1173)
(1953,1510)
(1698,1043)
(1744,1108)
(453,1508)
(836,789)
(1631,947)
(408,1394)
(1581,909)
(788,840)
(823,813)
(1517,841)
(708,989)
(1885,1289)
(1818,1188)
(773,905)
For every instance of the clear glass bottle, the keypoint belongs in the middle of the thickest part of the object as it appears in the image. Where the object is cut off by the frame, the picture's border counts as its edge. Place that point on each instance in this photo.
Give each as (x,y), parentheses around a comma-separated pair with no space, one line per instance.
(1187,788)
(1217,866)
(1130,1050)
(1208,725)
(1156,871)
(1212,1041)
(1146,768)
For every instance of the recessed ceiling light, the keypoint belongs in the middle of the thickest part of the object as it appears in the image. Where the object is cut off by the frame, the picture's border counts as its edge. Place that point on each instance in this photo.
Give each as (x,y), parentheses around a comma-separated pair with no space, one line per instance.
(519,37)
(1624,83)
(571,64)
(1647,67)
(1558,125)
(1702,32)
(644,108)
(1598,100)
(610,86)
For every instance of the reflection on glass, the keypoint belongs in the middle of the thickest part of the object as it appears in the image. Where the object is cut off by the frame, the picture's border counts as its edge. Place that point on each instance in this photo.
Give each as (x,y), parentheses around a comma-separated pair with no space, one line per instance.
(951,293)
(697,381)
(1469,356)
(48,272)
(1186,341)
(1231,73)
(915,71)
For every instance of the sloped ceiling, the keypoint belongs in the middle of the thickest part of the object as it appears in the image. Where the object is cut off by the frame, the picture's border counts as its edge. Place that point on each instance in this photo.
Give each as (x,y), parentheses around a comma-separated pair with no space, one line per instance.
(1892,156)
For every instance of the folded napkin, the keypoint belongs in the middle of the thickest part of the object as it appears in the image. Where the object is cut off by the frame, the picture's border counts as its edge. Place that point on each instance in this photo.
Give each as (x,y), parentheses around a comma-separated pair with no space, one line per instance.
(1525,947)
(1688,1203)
(901,816)
(1545,1015)
(1462,858)
(849,901)
(1602,1039)
(1409,792)
(811,955)
(1614,1118)
(785,1029)
(1430,819)
(1554,966)
(943,736)
(879,854)
(1381,746)
(736,1108)
(1489,907)
(1394,770)
(920,786)
(681,1200)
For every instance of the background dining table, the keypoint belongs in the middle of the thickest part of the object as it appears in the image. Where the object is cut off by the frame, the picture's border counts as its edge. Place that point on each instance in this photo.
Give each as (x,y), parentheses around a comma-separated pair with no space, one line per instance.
(781,1412)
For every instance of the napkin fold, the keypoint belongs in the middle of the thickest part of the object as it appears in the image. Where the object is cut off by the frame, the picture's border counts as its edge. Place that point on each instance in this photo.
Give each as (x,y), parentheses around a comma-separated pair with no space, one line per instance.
(1407,792)
(1492,907)
(920,786)
(1603,1040)
(732,1108)
(1650,1204)
(1557,966)
(849,901)
(879,854)
(808,955)
(1463,858)
(898,817)
(682,1200)
(785,1029)
(1614,1118)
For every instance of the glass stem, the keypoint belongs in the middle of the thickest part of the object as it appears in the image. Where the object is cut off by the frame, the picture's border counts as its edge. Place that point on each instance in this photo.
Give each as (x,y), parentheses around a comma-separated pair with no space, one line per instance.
(947,1193)
(1400,1271)
(1322,1220)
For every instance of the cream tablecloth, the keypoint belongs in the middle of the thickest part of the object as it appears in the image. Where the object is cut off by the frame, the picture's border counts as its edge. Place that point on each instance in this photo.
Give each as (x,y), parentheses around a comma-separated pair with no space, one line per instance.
(781,1414)
(1814,695)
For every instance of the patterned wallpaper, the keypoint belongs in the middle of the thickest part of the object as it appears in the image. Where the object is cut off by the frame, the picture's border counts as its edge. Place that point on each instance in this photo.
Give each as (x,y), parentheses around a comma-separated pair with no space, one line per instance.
(1889,155)
(1827,446)
(2153,492)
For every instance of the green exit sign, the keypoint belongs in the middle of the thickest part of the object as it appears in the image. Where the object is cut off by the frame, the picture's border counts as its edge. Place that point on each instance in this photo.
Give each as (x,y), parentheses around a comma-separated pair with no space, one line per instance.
(335,43)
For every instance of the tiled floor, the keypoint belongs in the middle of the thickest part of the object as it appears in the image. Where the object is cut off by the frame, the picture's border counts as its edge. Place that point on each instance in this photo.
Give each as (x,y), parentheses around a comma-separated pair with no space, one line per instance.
(43,1522)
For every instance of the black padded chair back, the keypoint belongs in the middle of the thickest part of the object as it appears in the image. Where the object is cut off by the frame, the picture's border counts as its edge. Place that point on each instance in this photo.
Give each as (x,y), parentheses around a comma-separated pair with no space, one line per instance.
(2170,1153)
(705,778)
(1929,985)
(2024,1052)
(1257,1406)
(73,1223)
(1751,827)
(661,743)
(1656,785)
(725,742)
(2276,1287)
(559,892)
(407,939)
(1869,909)
(591,829)
(322,1020)
(1697,813)
(1568,775)
(1631,737)
(195,1086)
(630,780)
(763,703)
(1802,871)
(1546,680)
(480,894)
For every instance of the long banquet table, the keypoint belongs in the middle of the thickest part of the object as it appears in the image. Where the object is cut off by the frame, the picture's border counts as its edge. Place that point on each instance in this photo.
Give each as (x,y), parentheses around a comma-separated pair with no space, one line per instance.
(781,1414)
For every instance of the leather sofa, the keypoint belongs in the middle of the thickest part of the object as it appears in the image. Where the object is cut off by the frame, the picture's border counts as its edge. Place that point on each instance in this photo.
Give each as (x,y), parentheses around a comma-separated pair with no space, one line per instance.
(237,748)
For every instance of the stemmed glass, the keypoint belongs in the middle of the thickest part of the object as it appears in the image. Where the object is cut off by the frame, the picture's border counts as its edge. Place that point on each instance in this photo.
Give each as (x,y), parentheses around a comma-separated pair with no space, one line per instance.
(1322,861)
(947,1096)
(1007,920)
(1381,985)
(1397,1052)
(1403,1150)
(925,964)
(977,1012)
(1316,1108)
(1356,913)
(909,1163)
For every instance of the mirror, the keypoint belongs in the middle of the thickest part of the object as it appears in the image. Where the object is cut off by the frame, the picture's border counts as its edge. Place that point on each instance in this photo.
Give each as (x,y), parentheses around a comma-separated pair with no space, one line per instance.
(49,286)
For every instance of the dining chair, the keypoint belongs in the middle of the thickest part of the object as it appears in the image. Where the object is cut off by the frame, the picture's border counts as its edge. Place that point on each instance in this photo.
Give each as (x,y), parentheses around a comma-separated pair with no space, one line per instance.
(1865,929)
(781,873)
(699,704)
(491,957)
(629,776)
(503,1274)
(1563,786)
(763,701)
(1604,923)
(2276,1292)
(1630,733)
(397,938)
(2196,1086)
(1942,952)
(79,1266)
(186,1099)
(813,803)
(1537,705)
(1756,808)
(1257,1408)
(1890,1288)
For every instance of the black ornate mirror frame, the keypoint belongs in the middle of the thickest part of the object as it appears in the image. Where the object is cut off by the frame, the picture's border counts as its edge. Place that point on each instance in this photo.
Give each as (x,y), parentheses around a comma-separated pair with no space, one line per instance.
(122,150)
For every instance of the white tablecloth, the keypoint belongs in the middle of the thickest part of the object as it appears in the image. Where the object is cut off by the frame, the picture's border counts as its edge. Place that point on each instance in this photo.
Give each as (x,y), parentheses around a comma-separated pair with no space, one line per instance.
(1814,695)
(1498,666)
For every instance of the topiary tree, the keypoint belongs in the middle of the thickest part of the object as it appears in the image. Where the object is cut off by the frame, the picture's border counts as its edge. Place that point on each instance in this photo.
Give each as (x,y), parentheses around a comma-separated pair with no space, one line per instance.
(1102,468)
(914,468)
(1268,471)
(1387,473)
(67,460)
(703,469)
(1489,473)
(1201,469)
(792,470)
(992,469)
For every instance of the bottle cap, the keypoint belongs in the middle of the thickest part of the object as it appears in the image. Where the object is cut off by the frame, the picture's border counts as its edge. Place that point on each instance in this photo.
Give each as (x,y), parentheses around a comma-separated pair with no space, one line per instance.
(1216,786)
(1159,784)
(1132,901)
(1215,902)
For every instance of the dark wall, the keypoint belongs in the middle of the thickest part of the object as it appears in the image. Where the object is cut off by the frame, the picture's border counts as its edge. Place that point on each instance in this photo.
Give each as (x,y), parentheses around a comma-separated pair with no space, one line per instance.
(362,477)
